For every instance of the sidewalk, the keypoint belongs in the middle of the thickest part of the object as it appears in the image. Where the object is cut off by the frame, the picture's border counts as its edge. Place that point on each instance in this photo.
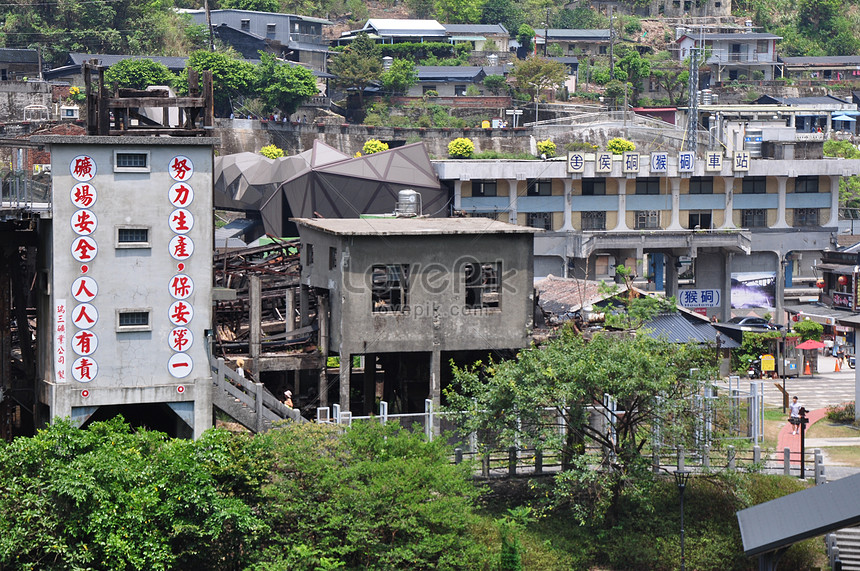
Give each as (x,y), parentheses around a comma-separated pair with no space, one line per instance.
(792,441)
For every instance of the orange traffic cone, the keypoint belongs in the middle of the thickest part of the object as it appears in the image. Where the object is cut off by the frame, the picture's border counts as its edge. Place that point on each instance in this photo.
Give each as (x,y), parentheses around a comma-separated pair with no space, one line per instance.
(838,368)
(807,370)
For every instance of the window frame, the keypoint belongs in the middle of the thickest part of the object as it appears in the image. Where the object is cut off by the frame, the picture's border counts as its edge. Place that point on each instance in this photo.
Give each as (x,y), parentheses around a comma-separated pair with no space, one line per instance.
(534,217)
(129,245)
(701,185)
(699,214)
(539,187)
(480,186)
(754,214)
(645,186)
(120,312)
(400,285)
(807,217)
(596,218)
(490,278)
(591,185)
(803,184)
(754,185)
(647,219)
(133,169)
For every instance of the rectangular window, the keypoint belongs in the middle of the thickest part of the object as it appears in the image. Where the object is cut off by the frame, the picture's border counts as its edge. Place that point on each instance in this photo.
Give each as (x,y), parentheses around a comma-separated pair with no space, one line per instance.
(309,254)
(539,187)
(806,184)
(246,25)
(132,237)
(426,88)
(601,265)
(483,281)
(130,162)
(483,188)
(647,219)
(754,185)
(702,185)
(699,220)
(754,218)
(542,220)
(270,31)
(593,187)
(332,258)
(806,217)
(648,185)
(133,320)
(390,288)
(761,46)
(602,50)
(594,220)
(459,90)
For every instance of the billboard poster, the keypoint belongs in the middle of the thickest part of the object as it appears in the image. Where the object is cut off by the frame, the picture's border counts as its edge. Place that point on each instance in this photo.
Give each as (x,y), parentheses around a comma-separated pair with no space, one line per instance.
(753,289)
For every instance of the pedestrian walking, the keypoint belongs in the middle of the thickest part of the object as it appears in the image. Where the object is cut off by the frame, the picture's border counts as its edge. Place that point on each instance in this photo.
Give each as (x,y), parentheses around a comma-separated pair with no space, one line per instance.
(794,414)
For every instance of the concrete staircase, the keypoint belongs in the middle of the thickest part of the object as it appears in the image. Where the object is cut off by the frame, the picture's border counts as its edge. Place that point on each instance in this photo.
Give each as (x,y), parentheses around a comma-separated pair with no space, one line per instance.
(249,403)
(847,543)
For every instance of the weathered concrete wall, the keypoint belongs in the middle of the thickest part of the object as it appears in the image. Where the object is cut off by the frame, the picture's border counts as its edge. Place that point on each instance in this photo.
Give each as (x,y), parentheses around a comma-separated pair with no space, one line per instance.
(16,95)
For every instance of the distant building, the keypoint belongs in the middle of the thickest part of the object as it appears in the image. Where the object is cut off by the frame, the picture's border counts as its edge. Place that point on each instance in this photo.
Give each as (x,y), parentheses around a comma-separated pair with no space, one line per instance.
(732,55)
(18,64)
(478,35)
(574,42)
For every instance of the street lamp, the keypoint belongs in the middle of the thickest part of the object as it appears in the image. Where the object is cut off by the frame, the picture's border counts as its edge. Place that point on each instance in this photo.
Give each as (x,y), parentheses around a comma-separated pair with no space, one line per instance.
(681,479)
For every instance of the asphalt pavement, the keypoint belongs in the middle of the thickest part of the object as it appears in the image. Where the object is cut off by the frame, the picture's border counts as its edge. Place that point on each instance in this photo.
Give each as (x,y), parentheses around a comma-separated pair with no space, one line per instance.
(821,389)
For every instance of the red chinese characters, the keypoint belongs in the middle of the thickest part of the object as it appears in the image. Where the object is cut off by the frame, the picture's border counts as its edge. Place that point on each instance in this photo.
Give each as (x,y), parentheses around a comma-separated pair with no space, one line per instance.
(60,341)
(83,168)
(180,339)
(84,249)
(180,365)
(180,313)
(181,168)
(84,369)
(180,194)
(83,195)
(181,247)
(85,343)
(181,286)
(181,221)
(84,289)
(85,315)
(84,222)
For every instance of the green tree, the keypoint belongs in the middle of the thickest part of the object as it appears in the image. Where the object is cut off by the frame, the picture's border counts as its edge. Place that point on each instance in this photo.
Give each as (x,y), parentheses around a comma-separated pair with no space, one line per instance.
(636,69)
(420,8)
(618,146)
(253,5)
(581,18)
(495,84)
(849,187)
(358,66)
(373,146)
(817,15)
(808,329)
(138,74)
(457,11)
(522,401)
(272,152)
(671,76)
(399,77)
(374,497)
(526,36)
(505,12)
(283,86)
(535,74)
(231,77)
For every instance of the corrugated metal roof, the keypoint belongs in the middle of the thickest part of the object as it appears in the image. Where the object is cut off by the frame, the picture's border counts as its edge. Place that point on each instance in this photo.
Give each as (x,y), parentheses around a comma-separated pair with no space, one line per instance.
(734,36)
(391,27)
(411,226)
(574,34)
(484,29)
(13,55)
(678,328)
(560,296)
(818,100)
(822,60)
(443,72)
(172,63)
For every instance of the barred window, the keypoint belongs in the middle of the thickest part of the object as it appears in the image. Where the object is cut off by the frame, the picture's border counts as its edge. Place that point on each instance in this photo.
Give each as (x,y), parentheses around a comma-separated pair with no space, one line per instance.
(647,219)
(594,220)
(806,217)
(131,162)
(754,218)
(542,220)
(133,320)
(483,282)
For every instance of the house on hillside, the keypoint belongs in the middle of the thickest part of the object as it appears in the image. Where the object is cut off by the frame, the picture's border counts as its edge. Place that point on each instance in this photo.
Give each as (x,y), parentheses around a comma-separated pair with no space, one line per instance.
(292,37)
(392,31)
(19,64)
(574,42)
(824,113)
(447,80)
(479,35)
(71,71)
(826,68)
(732,55)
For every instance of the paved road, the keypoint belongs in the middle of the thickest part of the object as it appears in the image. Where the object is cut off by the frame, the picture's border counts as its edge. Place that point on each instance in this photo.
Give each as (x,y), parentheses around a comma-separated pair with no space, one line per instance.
(821,390)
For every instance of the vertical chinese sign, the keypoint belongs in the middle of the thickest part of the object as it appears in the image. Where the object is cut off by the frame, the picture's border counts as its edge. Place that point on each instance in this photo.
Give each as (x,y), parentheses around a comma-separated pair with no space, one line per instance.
(181,248)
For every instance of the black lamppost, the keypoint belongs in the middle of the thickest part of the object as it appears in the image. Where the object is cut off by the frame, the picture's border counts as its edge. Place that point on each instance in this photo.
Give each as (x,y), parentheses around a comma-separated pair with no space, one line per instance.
(681,479)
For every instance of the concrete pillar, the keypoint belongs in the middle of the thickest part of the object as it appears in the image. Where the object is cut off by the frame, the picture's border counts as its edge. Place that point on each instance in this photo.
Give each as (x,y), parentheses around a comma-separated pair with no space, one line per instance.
(345,374)
(304,305)
(834,202)
(567,225)
(780,215)
(202,405)
(671,275)
(436,384)
(728,214)
(322,321)
(458,194)
(726,289)
(621,223)
(255,322)
(779,297)
(369,383)
(512,201)
(290,310)
(675,222)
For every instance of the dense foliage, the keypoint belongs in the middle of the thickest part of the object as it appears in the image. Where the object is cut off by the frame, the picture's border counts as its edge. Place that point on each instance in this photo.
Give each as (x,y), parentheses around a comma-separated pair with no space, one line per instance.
(373,146)
(272,151)
(461,148)
(619,146)
(138,74)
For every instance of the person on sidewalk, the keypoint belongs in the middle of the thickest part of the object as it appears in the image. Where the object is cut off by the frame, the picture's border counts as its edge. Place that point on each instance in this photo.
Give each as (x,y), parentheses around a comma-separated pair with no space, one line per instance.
(794,414)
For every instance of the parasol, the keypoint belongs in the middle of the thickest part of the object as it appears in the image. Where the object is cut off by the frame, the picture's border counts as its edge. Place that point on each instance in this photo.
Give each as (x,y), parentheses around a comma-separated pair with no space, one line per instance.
(811,344)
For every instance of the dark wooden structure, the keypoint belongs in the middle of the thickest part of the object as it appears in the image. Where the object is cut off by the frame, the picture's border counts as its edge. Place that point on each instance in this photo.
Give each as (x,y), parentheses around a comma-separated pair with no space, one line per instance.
(119,112)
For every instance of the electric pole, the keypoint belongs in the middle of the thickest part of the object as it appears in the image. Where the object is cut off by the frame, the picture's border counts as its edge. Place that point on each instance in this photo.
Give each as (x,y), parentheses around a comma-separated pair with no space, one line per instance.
(692,99)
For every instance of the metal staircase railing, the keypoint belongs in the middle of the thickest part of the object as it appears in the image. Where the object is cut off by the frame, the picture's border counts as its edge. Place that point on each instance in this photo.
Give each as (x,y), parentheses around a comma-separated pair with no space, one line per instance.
(250,403)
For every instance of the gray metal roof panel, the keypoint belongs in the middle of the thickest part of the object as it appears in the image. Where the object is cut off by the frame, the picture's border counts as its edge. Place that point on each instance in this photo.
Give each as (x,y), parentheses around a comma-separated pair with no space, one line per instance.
(14,55)
(577,34)
(801,515)
(454,72)
(172,63)
(411,226)
(822,60)
(471,29)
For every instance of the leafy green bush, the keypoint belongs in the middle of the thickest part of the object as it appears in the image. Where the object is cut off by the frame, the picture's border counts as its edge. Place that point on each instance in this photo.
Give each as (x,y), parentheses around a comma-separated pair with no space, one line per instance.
(546,148)
(374,146)
(842,413)
(272,151)
(461,148)
(808,329)
(618,146)
(574,146)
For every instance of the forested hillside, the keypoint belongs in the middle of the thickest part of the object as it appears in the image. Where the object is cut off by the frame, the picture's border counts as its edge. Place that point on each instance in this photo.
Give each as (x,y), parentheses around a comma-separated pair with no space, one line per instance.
(809,27)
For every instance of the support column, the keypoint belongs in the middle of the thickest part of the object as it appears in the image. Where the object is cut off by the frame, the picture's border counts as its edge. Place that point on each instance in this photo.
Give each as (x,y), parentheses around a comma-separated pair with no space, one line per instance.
(567,226)
(304,306)
(369,383)
(202,406)
(726,289)
(834,201)
(729,190)
(671,275)
(255,322)
(290,310)
(458,194)
(779,300)
(322,321)
(621,223)
(345,374)
(512,201)
(436,383)
(675,185)
(780,214)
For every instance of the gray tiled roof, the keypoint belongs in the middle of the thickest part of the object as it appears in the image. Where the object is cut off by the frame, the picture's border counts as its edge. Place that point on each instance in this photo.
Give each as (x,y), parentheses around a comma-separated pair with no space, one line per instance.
(172,63)
(480,29)
(13,55)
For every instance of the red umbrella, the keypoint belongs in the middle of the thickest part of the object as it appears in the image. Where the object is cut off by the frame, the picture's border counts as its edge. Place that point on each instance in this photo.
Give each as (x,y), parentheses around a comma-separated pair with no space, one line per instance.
(811,344)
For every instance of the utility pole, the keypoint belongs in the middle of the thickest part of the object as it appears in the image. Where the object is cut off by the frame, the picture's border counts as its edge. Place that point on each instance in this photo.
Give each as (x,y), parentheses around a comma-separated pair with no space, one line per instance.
(546,32)
(209,25)
(611,45)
